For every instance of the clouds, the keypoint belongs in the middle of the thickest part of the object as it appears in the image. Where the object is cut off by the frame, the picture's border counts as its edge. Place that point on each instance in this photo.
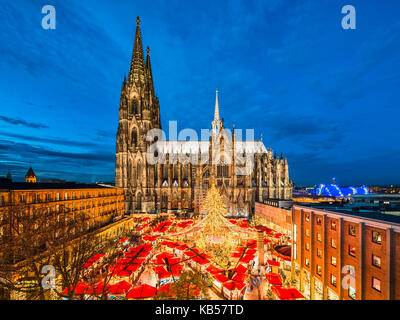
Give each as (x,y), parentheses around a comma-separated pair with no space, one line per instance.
(22,122)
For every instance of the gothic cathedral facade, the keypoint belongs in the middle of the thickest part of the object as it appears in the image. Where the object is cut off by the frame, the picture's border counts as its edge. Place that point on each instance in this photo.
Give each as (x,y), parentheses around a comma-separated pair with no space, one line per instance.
(180,185)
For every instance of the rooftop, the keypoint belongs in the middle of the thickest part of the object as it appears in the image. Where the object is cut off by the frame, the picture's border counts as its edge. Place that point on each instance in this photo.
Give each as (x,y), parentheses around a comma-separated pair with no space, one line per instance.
(370,213)
(38,186)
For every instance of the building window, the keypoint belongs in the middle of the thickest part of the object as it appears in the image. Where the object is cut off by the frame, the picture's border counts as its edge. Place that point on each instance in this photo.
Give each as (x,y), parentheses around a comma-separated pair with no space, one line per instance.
(307,232)
(352,230)
(333,225)
(307,262)
(307,217)
(376,284)
(307,246)
(333,280)
(333,243)
(376,261)
(57,197)
(352,292)
(319,237)
(319,221)
(352,251)
(319,270)
(319,253)
(376,237)
(333,261)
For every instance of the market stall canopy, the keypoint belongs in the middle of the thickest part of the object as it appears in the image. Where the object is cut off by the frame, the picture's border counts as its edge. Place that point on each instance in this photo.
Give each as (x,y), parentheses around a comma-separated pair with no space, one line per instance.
(120,287)
(284,252)
(141,292)
(214,270)
(287,293)
(220,278)
(273,279)
(232,285)
(80,289)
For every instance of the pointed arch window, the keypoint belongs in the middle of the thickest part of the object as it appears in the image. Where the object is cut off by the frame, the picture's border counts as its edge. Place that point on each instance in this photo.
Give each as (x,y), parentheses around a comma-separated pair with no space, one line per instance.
(134,136)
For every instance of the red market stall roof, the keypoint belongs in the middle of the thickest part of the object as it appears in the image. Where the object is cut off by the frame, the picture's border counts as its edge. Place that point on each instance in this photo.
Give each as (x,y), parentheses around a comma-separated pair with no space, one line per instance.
(220,277)
(141,292)
(241,277)
(124,261)
(95,258)
(133,267)
(165,275)
(124,239)
(124,273)
(231,285)
(214,270)
(80,289)
(287,293)
(87,265)
(120,287)
(239,269)
(274,279)
(149,238)
(159,270)
(274,263)
(236,255)
(200,260)
(98,288)
(247,258)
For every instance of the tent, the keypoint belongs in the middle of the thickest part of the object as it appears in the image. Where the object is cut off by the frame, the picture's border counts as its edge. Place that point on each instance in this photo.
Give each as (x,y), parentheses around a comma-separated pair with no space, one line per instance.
(120,287)
(80,288)
(286,293)
(273,279)
(141,292)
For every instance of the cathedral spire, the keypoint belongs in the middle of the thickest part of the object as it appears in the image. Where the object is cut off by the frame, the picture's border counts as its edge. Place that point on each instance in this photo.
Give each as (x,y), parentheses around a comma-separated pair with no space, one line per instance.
(149,73)
(217,123)
(136,72)
(216,112)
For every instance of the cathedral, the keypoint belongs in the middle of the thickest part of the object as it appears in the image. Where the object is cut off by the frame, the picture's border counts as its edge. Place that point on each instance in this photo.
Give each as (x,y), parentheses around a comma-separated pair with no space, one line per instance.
(161,175)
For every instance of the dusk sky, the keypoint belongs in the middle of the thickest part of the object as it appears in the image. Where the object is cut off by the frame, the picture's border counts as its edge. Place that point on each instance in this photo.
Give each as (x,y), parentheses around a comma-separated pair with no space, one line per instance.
(327,98)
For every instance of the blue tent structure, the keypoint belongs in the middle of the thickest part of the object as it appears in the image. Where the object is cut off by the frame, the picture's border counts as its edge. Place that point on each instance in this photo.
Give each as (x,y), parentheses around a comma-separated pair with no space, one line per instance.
(333,190)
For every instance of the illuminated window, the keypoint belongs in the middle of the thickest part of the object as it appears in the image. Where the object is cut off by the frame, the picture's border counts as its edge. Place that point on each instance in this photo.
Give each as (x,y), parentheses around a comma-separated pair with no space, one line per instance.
(307,217)
(333,261)
(333,225)
(376,237)
(307,232)
(352,251)
(307,262)
(333,243)
(319,221)
(376,284)
(352,230)
(333,280)
(319,253)
(376,261)
(319,237)
(319,270)
(352,292)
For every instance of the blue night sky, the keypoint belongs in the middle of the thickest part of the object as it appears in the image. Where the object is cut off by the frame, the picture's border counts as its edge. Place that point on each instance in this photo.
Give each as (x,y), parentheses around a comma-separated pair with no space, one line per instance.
(325,97)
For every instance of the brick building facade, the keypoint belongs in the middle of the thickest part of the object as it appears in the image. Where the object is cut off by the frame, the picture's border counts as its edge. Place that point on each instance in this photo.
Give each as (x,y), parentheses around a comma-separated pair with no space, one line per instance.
(343,256)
